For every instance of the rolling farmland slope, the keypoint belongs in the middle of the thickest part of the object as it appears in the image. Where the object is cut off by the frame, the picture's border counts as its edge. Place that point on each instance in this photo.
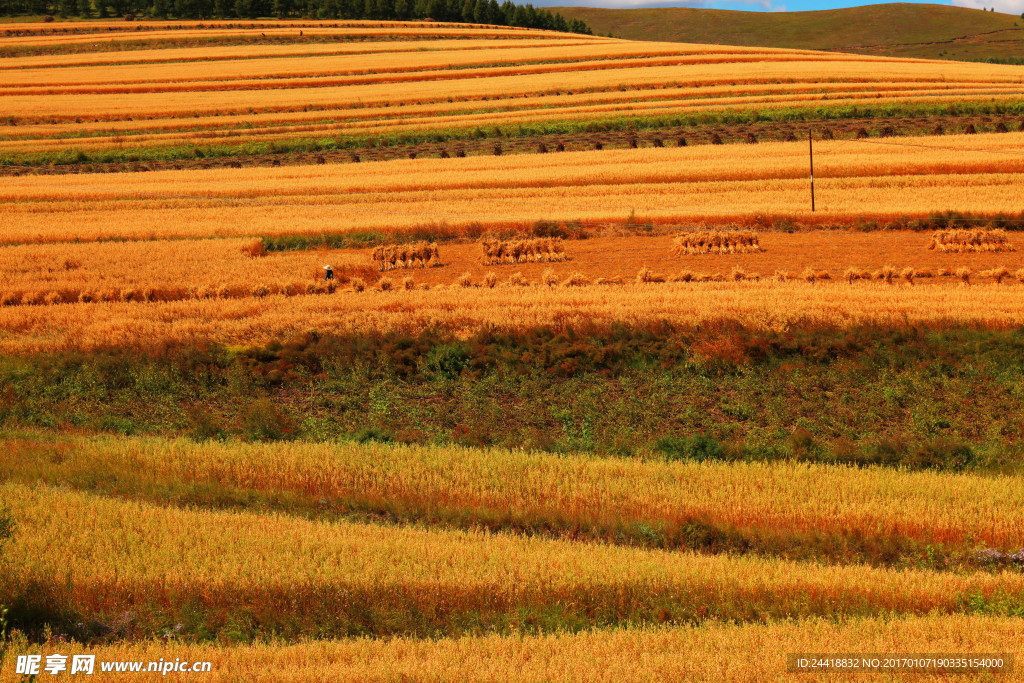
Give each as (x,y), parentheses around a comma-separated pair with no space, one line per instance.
(441,90)
(714,185)
(591,391)
(890,29)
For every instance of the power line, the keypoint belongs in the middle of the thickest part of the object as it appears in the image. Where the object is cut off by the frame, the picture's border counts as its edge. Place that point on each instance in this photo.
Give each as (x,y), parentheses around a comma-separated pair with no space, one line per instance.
(810,149)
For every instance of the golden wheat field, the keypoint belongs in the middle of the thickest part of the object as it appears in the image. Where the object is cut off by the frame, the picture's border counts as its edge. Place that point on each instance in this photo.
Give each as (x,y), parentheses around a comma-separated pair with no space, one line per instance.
(135,556)
(749,653)
(101,98)
(163,271)
(463,311)
(699,185)
(589,392)
(239,268)
(576,496)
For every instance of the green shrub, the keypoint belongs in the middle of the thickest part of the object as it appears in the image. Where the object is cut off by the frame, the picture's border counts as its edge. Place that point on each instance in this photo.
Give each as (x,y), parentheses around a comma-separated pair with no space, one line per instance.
(890,451)
(698,448)
(941,454)
(447,360)
(261,420)
(204,425)
(370,435)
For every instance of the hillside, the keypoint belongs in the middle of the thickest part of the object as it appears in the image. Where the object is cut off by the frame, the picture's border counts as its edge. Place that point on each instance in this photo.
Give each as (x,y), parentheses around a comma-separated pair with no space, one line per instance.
(344,351)
(288,92)
(898,29)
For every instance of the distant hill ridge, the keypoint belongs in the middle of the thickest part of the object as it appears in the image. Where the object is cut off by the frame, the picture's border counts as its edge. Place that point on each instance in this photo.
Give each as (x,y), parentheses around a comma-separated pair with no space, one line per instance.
(897,29)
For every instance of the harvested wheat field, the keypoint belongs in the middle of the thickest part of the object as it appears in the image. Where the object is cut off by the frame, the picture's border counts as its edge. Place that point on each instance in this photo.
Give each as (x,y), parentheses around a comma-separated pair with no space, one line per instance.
(696,186)
(147,94)
(175,270)
(792,253)
(577,497)
(452,350)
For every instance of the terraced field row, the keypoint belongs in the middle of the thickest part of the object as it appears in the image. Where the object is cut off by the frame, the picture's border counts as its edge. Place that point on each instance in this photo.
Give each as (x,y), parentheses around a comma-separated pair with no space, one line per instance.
(748,653)
(320,119)
(172,270)
(629,501)
(706,185)
(323,62)
(326,96)
(461,85)
(172,565)
(263,130)
(40,35)
(757,305)
(211,54)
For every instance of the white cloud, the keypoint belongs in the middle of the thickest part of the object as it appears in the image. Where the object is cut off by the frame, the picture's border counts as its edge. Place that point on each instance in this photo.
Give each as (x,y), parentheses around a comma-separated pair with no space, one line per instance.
(1006,6)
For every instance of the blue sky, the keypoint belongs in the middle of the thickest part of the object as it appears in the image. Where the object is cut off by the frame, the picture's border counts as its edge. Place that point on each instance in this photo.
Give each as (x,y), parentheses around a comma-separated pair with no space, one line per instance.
(1009,6)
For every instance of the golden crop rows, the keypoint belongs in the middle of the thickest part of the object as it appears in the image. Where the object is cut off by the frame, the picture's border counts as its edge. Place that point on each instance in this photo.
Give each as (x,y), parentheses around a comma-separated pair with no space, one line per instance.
(131,555)
(100,132)
(584,494)
(156,104)
(216,53)
(386,119)
(745,653)
(875,159)
(520,71)
(160,271)
(272,70)
(338,29)
(380,125)
(714,184)
(759,305)
(105,528)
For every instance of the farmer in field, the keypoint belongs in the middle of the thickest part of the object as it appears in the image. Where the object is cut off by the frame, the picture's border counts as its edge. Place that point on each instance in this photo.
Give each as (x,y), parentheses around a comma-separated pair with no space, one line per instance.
(328,273)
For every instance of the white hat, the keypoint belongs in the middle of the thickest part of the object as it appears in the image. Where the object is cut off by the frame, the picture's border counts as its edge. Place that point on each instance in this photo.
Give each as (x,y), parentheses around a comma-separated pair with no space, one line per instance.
(327,267)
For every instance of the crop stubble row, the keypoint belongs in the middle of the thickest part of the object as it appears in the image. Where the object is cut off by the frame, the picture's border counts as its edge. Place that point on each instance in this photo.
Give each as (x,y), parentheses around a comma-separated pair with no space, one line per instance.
(230,268)
(497,74)
(687,186)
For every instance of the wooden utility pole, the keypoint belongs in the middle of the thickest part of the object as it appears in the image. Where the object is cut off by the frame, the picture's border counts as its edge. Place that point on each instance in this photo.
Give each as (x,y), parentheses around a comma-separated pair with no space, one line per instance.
(810,149)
